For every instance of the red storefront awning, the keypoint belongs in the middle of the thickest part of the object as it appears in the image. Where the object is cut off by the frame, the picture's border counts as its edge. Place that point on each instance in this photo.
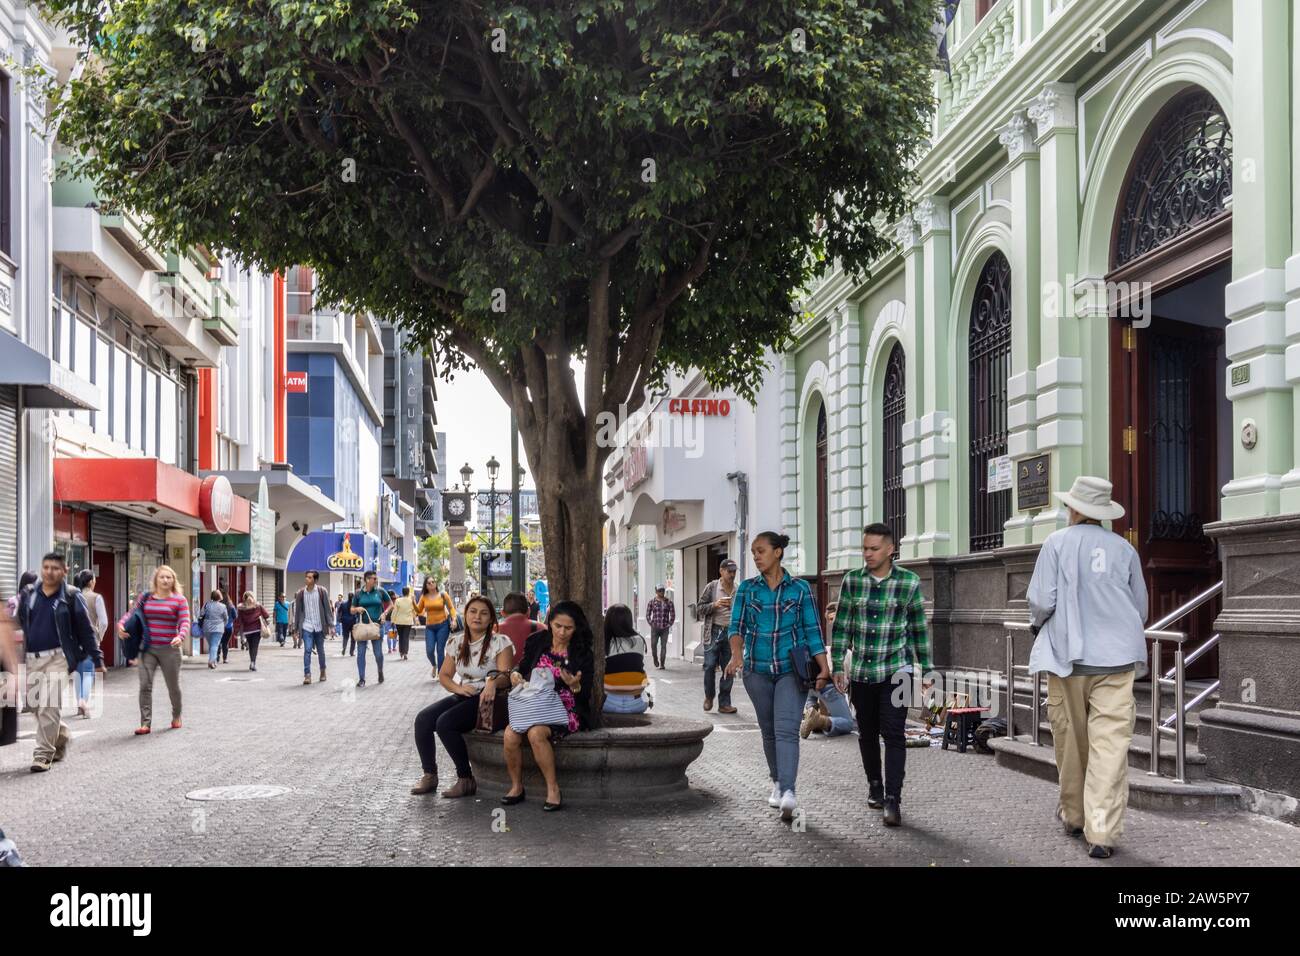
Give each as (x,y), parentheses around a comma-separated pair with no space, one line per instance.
(154,490)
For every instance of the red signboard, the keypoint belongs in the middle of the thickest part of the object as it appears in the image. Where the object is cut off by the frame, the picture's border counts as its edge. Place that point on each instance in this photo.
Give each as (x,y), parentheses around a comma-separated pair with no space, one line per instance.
(217,503)
(295,381)
(699,406)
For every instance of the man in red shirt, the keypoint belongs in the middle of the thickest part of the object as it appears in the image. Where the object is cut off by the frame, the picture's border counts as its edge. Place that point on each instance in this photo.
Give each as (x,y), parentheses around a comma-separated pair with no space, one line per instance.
(515,623)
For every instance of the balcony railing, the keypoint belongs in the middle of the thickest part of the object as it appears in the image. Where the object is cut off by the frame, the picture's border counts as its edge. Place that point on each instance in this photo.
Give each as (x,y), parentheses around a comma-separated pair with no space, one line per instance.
(979,59)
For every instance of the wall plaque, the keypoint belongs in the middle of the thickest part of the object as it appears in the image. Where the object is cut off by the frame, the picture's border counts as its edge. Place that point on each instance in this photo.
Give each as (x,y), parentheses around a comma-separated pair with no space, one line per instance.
(1033,482)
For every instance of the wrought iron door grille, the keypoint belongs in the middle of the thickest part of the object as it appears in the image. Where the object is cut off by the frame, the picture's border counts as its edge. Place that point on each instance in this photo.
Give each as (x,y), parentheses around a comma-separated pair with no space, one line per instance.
(894,408)
(1172,440)
(990,365)
(1183,178)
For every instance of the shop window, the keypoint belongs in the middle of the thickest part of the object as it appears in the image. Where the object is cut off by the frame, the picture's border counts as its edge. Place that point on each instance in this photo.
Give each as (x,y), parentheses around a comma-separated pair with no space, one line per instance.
(893,410)
(990,365)
(1181,178)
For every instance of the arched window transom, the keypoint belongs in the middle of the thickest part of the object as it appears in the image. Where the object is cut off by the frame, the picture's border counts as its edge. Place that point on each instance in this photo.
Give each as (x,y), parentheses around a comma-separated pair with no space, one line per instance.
(1182,178)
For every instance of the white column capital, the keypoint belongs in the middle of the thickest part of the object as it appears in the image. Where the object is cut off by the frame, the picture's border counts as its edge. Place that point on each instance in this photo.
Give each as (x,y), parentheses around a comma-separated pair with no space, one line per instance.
(932,215)
(1053,109)
(1017,137)
(905,233)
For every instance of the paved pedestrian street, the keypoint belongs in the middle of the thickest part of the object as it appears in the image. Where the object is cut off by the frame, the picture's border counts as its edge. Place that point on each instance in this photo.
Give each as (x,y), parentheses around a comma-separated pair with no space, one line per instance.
(344,759)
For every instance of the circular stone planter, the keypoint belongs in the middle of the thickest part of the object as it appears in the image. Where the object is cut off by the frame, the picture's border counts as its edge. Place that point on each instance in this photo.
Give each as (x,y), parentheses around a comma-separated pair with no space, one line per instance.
(633,757)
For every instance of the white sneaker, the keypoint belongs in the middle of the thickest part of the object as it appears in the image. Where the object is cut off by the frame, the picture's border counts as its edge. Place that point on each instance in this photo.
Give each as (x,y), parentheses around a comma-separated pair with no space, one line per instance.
(788,805)
(774,800)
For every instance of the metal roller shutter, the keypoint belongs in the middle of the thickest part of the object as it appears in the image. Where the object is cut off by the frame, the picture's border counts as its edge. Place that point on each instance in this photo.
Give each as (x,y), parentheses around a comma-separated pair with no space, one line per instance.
(8,490)
(266,589)
(109,531)
(148,535)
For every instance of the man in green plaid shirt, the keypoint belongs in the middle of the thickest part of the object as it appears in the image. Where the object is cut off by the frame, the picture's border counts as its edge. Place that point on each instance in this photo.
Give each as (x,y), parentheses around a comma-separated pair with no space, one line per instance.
(881,619)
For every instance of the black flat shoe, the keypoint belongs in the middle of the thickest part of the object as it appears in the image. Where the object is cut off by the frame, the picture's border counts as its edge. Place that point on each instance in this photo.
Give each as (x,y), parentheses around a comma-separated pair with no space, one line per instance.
(552,806)
(510,801)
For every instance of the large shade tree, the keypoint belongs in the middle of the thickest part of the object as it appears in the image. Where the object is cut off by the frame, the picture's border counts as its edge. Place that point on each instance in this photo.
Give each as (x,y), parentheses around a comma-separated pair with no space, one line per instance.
(637,184)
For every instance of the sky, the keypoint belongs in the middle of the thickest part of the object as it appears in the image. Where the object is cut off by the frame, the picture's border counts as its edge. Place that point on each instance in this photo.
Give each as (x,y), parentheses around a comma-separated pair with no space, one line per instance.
(477,423)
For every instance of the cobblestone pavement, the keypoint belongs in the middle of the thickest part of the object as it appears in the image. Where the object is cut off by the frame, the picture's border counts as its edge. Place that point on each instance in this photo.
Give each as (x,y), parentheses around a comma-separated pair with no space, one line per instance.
(347,759)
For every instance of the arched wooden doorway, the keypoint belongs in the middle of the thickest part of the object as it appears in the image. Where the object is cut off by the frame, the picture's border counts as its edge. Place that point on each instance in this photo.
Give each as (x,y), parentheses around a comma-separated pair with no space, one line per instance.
(1171,259)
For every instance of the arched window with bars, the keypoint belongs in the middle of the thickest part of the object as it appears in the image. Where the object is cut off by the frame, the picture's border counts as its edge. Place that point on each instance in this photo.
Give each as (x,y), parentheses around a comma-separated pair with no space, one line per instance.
(990,366)
(893,410)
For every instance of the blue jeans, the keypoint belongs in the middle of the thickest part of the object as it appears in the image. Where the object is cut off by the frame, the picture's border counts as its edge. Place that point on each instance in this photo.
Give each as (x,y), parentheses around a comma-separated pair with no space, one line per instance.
(435,642)
(281,628)
(778,704)
(625,704)
(837,708)
(214,645)
(361,656)
(85,680)
(310,639)
(718,655)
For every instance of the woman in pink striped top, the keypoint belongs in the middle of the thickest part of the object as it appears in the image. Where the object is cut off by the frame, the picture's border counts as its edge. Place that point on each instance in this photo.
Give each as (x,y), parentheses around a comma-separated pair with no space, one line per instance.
(168,615)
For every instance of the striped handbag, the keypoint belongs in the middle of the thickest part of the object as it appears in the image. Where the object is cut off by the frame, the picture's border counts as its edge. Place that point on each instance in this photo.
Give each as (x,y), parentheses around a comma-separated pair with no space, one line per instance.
(536,702)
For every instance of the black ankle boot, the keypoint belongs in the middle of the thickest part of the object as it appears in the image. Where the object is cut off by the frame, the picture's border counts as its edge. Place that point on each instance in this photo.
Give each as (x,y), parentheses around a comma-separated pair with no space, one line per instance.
(893,817)
(876,796)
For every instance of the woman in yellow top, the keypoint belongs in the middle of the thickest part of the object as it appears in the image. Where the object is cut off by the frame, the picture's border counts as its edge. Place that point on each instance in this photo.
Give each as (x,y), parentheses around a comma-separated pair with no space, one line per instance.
(436,610)
(404,618)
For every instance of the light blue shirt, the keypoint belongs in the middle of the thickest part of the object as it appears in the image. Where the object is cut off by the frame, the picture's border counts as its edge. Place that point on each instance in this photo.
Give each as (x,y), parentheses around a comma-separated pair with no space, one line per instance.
(1088,596)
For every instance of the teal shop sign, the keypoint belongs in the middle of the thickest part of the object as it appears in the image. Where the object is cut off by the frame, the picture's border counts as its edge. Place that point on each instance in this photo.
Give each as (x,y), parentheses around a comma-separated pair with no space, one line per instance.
(225,548)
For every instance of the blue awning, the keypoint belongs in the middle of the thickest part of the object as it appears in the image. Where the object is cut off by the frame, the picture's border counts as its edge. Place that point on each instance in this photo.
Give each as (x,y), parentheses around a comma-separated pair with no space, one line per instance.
(348,552)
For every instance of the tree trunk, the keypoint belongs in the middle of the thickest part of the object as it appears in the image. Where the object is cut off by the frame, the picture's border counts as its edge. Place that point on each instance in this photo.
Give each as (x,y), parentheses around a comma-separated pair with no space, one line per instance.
(572,519)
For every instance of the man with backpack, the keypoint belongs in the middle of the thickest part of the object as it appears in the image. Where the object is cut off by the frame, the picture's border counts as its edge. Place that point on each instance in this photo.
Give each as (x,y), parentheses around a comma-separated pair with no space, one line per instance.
(57,636)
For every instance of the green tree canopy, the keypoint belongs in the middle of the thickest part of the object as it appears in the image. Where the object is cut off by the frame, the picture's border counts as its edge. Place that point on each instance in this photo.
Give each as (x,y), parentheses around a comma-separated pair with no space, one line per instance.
(640,184)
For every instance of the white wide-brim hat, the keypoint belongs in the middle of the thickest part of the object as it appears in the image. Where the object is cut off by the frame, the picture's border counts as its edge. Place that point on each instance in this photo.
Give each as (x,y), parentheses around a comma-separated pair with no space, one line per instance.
(1091,498)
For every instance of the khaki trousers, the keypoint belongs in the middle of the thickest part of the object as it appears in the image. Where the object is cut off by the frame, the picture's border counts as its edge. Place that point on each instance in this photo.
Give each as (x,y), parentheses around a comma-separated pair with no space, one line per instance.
(47,676)
(167,657)
(1092,725)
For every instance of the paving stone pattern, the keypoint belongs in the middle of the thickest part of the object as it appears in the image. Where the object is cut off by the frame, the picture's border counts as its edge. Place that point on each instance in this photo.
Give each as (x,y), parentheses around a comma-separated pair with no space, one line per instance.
(347,757)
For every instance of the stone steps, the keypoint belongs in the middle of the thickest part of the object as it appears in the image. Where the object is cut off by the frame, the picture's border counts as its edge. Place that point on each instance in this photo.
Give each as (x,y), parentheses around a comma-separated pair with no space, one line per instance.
(1145,791)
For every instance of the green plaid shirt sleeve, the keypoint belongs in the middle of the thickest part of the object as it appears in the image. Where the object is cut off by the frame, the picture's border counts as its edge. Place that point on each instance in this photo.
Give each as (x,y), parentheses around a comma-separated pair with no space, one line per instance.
(918,630)
(846,619)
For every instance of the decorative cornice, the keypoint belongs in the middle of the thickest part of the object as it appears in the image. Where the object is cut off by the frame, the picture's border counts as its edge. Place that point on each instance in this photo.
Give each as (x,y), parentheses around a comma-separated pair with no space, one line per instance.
(1053,109)
(1017,137)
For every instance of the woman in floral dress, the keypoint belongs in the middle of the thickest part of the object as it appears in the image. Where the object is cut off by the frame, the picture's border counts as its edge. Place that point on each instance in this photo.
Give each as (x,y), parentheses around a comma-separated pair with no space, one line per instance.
(565,649)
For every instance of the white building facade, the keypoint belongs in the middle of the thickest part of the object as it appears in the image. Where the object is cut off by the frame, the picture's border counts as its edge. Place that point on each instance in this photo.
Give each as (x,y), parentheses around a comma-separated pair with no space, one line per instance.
(695,476)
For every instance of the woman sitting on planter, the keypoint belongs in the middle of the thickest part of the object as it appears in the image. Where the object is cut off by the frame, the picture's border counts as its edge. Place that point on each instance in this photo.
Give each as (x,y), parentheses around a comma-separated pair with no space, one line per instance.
(565,649)
(471,655)
(625,679)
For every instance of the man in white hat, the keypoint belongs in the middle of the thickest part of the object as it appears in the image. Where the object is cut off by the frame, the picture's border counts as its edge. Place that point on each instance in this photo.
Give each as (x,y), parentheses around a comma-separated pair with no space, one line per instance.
(1088,605)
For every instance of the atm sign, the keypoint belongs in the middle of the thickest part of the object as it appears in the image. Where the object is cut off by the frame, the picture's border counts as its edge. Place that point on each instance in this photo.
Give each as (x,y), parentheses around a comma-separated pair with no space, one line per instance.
(295,381)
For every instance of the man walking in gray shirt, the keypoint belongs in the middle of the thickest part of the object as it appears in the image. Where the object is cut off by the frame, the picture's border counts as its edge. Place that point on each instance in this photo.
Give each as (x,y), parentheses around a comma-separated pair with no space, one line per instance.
(714,609)
(1088,605)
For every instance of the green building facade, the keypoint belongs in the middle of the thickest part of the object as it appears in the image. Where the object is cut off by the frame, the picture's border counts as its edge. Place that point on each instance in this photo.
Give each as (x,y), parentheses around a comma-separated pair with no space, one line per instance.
(1099,274)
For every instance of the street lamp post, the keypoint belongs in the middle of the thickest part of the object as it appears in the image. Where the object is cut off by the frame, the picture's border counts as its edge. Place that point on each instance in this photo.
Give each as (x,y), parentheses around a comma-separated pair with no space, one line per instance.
(516,545)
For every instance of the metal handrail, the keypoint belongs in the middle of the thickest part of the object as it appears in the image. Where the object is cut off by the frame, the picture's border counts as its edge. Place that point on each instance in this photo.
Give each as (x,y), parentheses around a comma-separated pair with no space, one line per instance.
(1202,598)
(1156,636)
(1195,654)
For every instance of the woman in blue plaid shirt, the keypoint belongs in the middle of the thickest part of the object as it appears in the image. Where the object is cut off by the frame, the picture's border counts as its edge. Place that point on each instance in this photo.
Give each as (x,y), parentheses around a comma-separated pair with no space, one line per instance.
(773,611)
